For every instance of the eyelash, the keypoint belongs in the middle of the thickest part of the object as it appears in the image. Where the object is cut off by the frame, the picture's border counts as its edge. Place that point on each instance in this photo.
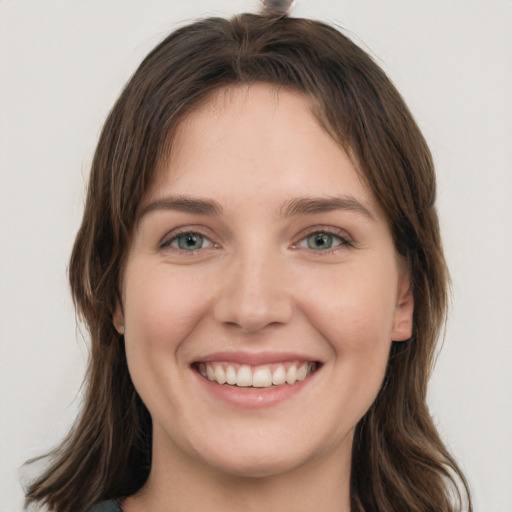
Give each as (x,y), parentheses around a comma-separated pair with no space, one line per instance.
(344,241)
(167,243)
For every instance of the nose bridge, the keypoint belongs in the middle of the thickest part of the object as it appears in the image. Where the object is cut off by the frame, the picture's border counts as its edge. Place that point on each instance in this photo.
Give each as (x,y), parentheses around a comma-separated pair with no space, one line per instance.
(254,293)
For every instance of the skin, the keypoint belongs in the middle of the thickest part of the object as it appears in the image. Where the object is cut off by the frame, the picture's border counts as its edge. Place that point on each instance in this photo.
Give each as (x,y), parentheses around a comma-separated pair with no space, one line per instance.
(256,286)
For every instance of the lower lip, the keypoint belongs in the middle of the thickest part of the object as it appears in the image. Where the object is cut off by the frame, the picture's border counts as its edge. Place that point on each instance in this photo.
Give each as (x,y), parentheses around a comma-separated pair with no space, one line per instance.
(254,398)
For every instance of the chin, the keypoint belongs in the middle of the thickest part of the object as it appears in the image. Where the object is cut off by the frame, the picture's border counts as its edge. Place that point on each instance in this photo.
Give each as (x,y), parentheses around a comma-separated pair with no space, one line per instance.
(263,453)
(257,464)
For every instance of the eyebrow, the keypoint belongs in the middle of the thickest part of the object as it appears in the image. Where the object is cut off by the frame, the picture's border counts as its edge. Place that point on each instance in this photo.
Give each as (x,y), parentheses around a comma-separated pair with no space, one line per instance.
(313,205)
(184,204)
(293,208)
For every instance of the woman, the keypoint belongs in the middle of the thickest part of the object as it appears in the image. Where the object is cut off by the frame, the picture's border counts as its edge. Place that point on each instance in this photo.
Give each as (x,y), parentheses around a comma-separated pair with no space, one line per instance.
(260,269)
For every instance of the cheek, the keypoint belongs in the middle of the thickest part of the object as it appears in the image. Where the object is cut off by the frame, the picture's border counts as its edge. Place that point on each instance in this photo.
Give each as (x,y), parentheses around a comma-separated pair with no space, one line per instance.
(355,309)
(354,314)
(161,307)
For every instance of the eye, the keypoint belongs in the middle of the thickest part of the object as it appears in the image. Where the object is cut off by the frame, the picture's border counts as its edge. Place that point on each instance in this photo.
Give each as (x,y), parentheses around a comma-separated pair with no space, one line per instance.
(323,241)
(188,241)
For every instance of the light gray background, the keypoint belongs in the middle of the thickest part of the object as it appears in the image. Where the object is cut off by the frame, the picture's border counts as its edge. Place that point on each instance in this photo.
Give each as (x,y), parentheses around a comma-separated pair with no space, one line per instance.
(62,66)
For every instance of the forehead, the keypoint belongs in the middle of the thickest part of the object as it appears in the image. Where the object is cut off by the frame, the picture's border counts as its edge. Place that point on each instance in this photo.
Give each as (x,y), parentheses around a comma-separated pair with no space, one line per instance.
(256,132)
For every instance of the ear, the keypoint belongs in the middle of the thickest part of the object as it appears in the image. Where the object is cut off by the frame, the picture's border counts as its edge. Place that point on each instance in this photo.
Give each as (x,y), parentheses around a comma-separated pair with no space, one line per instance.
(403,321)
(118,319)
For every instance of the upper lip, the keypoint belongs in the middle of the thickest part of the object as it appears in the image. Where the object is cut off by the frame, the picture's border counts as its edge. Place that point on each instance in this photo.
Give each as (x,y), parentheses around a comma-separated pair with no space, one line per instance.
(255,358)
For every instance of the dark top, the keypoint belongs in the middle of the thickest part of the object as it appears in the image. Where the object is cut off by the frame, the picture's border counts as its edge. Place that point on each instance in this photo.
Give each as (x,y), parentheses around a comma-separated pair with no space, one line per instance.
(107,506)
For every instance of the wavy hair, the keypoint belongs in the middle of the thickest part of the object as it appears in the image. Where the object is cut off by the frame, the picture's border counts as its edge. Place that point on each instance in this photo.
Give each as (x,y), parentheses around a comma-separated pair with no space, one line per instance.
(399,461)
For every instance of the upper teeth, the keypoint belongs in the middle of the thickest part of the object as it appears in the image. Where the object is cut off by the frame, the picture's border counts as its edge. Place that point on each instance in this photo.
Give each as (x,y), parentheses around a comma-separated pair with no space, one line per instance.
(256,376)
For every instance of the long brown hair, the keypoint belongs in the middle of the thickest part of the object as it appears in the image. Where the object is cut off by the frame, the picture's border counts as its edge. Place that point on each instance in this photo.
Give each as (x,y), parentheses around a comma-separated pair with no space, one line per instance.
(399,462)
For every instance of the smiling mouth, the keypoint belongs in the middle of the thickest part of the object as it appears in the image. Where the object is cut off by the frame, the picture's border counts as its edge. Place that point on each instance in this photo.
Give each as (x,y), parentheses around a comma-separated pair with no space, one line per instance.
(263,376)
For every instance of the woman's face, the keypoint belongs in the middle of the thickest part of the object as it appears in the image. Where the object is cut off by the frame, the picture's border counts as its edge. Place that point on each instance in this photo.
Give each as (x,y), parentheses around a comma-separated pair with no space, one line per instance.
(261,292)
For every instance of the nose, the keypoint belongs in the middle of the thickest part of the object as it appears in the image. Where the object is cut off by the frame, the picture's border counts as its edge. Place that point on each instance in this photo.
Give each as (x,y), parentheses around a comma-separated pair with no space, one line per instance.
(254,293)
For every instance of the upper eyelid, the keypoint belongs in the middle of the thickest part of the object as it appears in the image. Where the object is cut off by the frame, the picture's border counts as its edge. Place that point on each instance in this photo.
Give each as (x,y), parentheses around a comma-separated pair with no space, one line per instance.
(330,230)
(173,233)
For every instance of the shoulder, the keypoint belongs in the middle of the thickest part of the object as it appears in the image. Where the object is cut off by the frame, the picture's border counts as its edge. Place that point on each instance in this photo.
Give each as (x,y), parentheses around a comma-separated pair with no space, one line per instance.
(106,506)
